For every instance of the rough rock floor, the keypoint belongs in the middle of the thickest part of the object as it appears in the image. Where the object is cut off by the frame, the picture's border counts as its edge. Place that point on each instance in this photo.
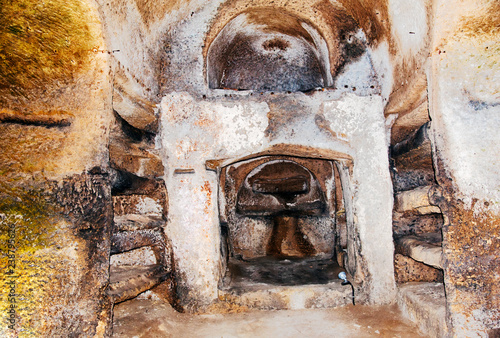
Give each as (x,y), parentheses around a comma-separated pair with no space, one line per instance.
(152,318)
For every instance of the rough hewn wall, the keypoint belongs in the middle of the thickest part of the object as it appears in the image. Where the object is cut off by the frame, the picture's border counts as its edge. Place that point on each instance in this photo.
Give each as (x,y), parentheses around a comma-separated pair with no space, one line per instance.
(54,220)
(465,110)
(55,108)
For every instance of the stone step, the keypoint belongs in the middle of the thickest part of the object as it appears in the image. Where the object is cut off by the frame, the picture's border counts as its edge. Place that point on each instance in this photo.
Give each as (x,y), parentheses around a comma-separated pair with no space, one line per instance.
(140,205)
(425,248)
(406,270)
(126,282)
(282,297)
(425,305)
(141,256)
(134,159)
(266,283)
(133,222)
(126,241)
(417,200)
(414,152)
(138,195)
(411,224)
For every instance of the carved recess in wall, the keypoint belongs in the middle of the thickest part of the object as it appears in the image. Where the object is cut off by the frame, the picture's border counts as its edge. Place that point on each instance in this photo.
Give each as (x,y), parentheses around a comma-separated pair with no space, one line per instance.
(280,206)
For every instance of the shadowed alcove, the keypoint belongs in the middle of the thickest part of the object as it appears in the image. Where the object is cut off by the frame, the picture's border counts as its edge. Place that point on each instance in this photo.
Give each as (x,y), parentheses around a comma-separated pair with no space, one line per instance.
(268,49)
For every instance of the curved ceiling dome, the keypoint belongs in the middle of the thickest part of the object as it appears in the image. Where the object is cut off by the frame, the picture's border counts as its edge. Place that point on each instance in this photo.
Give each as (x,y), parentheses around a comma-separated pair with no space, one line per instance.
(269,50)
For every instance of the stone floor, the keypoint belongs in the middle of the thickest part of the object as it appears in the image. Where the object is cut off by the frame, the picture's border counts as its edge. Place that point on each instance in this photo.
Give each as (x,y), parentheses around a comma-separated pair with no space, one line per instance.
(267,270)
(153,318)
(425,304)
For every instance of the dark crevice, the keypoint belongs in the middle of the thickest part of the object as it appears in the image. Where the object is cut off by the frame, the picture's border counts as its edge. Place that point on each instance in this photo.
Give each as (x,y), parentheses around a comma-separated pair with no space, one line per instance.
(38,121)
(125,183)
(135,134)
(411,142)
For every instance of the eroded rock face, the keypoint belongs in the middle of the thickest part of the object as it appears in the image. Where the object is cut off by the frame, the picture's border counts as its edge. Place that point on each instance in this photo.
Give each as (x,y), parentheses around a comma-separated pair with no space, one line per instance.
(63,262)
(86,201)
(465,123)
(407,270)
(58,89)
(55,115)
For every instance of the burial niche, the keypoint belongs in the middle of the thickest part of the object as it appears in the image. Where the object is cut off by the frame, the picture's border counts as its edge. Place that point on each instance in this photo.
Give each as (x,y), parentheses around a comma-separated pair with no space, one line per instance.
(279,221)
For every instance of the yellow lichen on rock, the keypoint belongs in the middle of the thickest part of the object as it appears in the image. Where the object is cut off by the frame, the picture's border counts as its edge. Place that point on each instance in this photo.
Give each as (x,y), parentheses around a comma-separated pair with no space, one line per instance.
(41,43)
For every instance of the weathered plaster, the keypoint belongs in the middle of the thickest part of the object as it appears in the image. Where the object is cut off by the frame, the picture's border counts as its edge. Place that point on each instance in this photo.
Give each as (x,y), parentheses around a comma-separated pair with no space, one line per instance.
(194,131)
(370,178)
(409,25)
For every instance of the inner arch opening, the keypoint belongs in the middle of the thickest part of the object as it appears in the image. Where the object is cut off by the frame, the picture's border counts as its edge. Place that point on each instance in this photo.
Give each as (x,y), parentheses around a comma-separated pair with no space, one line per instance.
(270,50)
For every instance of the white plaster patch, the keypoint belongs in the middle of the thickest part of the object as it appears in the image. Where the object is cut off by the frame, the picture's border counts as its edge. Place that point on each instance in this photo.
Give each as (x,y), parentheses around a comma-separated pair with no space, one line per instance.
(243,125)
(354,115)
(474,156)
(147,206)
(467,136)
(358,76)
(199,10)
(474,65)
(187,42)
(381,61)
(409,24)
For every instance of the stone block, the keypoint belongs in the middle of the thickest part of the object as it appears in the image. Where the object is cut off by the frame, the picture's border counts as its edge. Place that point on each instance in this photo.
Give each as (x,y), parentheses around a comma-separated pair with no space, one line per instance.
(407,269)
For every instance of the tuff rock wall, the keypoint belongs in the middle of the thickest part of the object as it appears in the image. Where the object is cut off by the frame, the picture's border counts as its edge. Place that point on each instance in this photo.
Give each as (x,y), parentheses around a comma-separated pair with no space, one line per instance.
(464,96)
(66,65)
(55,197)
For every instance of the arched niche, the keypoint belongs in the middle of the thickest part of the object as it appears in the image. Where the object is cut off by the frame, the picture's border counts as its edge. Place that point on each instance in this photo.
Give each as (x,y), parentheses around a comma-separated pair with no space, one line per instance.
(269,50)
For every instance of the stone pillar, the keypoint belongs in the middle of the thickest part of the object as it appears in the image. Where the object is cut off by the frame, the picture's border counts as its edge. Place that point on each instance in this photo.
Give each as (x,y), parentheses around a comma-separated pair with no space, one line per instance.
(193,223)
(360,120)
(195,235)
